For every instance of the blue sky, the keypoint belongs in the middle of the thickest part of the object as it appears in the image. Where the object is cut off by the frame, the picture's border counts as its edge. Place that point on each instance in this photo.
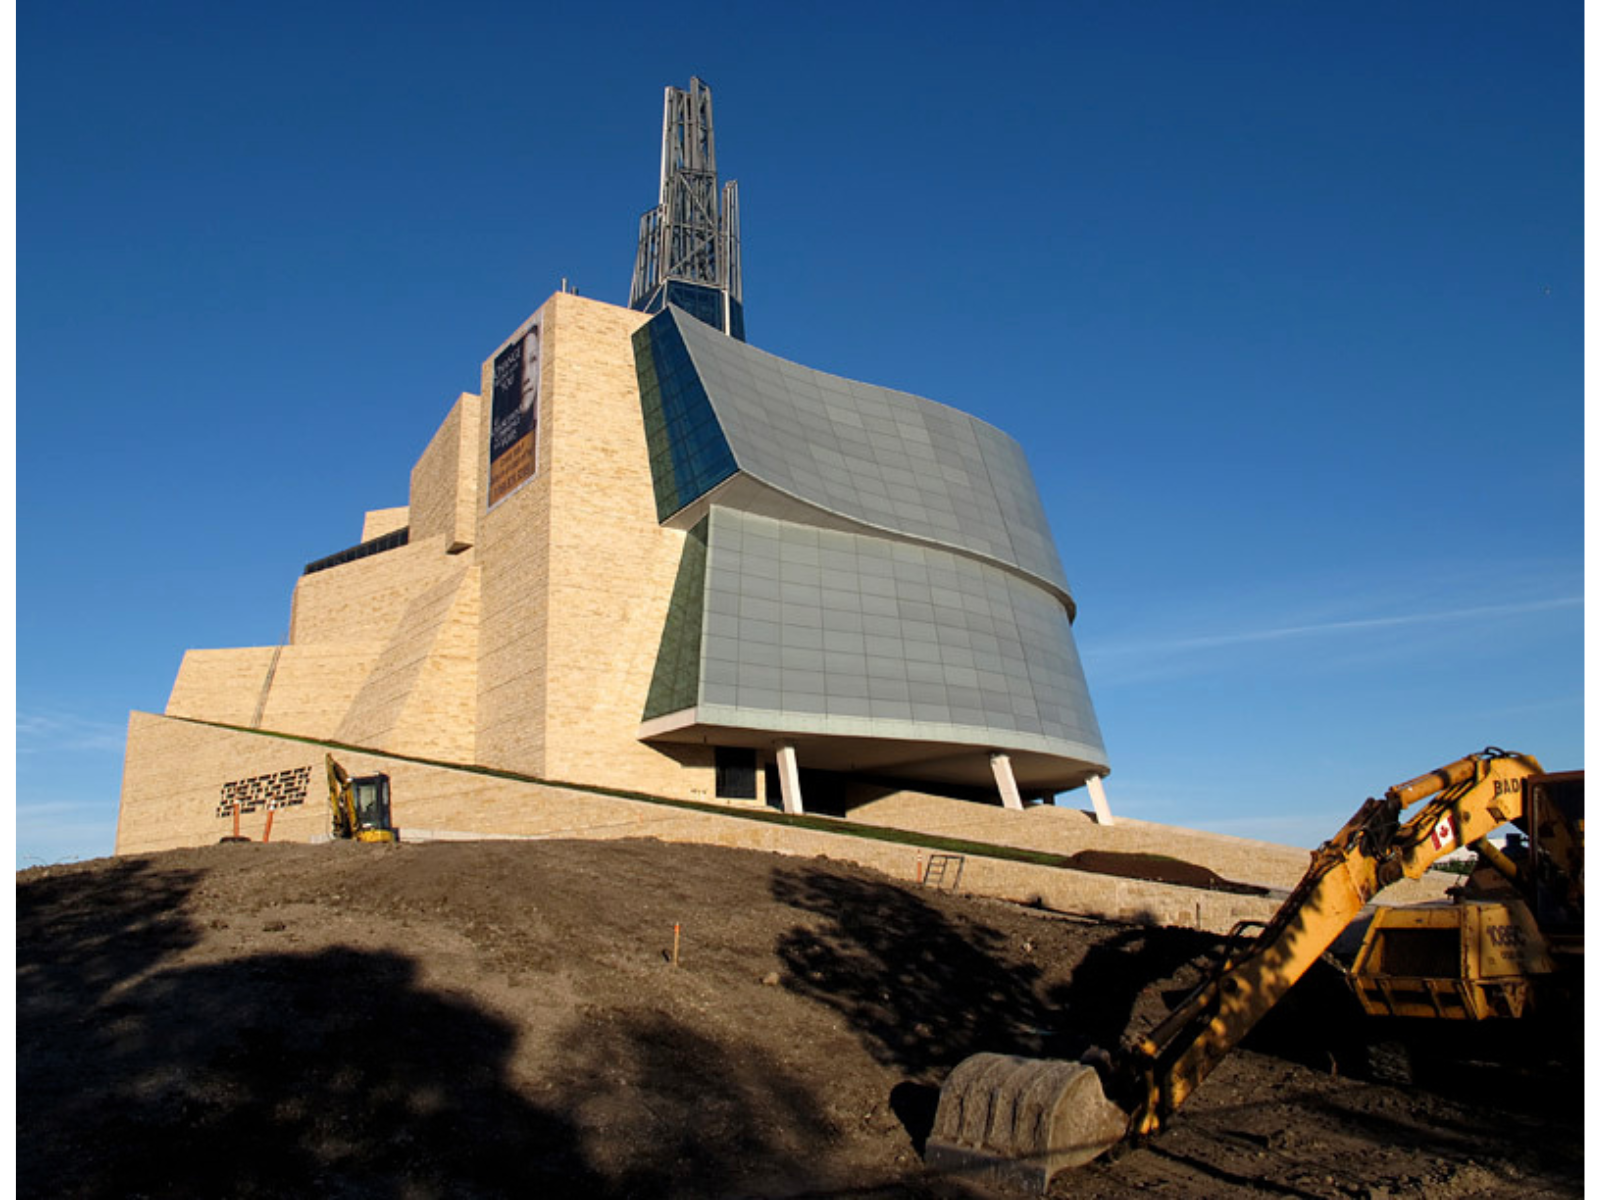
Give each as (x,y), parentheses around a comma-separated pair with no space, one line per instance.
(1284,300)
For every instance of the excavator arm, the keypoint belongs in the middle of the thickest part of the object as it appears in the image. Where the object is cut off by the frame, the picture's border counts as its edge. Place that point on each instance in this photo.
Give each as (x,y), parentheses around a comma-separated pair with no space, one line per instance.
(1026,1119)
(1465,802)
(341,800)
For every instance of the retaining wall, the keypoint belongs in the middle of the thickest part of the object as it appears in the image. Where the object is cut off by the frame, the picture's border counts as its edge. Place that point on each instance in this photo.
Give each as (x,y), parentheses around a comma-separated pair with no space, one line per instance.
(179,772)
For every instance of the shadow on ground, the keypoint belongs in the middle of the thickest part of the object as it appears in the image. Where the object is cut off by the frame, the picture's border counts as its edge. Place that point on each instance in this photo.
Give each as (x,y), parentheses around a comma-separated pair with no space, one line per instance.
(920,990)
(336,1074)
(668,1111)
(326,1074)
(923,990)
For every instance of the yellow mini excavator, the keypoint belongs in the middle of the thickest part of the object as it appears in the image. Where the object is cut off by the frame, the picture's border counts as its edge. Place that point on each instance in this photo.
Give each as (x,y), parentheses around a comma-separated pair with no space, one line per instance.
(360,806)
(1509,943)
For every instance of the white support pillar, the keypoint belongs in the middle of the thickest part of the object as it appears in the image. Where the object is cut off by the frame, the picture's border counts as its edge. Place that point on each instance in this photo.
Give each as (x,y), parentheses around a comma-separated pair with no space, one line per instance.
(1006,781)
(1097,793)
(789,778)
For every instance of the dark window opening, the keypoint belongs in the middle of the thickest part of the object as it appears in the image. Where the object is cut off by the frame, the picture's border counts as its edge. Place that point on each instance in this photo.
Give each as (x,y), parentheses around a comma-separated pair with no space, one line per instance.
(377,545)
(736,773)
(822,793)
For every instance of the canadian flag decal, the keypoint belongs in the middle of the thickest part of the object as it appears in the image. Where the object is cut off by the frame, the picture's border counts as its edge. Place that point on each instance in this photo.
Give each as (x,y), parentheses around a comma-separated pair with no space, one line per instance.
(1444,833)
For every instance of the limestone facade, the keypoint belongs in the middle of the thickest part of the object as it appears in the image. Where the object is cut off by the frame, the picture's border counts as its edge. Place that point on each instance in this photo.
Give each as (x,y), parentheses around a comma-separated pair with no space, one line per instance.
(521,635)
(384,520)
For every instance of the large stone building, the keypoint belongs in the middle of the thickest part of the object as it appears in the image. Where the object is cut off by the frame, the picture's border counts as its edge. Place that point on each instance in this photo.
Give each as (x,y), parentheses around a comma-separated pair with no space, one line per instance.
(650,557)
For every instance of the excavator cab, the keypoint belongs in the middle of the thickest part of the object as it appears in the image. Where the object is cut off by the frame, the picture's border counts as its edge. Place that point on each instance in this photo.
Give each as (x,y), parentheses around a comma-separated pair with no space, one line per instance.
(1513,934)
(370,796)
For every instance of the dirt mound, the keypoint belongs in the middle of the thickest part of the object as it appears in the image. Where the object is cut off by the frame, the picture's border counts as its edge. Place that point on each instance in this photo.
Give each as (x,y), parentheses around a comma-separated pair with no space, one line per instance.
(504,1019)
(1158,868)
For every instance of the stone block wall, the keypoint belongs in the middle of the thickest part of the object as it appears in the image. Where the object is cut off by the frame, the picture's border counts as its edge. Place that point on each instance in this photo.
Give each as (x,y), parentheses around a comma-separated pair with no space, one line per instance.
(522,638)
(281,790)
(179,774)
(420,696)
(221,685)
(365,600)
(313,687)
(444,483)
(384,520)
(1067,831)
(513,554)
(611,565)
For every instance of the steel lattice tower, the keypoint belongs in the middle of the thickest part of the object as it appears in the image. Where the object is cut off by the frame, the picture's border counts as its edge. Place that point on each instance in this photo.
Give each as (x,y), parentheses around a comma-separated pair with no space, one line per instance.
(689,244)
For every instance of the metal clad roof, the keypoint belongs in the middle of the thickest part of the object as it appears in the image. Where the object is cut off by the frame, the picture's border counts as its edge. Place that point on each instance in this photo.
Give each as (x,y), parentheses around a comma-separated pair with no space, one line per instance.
(886,458)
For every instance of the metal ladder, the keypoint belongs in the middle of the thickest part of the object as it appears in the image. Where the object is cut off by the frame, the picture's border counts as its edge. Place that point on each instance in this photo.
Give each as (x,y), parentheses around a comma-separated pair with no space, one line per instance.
(939,868)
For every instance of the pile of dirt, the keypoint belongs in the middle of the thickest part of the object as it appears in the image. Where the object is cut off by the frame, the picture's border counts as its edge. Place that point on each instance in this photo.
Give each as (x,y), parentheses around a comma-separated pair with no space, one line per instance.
(505,1019)
(1158,868)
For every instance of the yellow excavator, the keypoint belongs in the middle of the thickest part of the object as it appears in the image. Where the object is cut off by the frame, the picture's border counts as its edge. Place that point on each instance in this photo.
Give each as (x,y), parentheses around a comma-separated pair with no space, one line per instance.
(360,806)
(1509,943)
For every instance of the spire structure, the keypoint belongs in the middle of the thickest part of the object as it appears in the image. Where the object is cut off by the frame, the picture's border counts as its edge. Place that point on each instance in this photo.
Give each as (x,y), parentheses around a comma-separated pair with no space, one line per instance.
(689,243)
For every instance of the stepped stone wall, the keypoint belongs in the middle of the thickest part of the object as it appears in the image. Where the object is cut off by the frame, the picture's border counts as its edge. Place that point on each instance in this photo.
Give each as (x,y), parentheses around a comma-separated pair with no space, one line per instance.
(418,695)
(314,686)
(365,600)
(221,685)
(444,485)
(384,520)
(1067,831)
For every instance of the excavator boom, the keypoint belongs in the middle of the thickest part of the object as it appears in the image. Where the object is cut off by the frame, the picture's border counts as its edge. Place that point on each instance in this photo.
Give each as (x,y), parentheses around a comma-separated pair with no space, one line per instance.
(1465,802)
(1027,1119)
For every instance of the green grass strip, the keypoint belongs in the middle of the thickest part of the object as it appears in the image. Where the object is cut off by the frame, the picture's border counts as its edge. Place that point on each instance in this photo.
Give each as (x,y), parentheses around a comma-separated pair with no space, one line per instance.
(835,825)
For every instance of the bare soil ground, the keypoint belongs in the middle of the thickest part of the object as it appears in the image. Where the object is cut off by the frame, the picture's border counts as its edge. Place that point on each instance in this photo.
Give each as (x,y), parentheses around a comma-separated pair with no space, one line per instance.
(503,1019)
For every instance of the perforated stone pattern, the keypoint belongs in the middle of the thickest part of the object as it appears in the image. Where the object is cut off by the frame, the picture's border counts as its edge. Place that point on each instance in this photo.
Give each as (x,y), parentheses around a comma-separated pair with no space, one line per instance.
(280,789)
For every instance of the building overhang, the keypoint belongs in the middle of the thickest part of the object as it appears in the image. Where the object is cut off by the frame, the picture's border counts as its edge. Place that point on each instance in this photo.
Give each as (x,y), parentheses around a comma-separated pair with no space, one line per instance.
(902,749)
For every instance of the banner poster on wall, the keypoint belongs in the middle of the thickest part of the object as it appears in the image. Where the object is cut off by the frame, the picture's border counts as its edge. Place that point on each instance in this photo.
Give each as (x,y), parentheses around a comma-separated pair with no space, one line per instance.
(514,416)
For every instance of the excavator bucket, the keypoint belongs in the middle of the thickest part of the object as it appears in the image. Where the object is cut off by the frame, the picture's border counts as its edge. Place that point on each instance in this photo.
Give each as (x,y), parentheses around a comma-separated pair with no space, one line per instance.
(1021,1120)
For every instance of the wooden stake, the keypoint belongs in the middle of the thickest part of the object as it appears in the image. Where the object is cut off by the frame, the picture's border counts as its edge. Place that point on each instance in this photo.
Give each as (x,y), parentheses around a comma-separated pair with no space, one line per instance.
(235,818)
(267,833)
(677,931)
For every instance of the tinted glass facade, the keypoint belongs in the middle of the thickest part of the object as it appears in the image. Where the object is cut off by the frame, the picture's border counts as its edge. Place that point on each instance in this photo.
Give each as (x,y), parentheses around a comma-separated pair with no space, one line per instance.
(910,589)
(675,684)
(815,630)
(701,302)
(689,454)
(886,459)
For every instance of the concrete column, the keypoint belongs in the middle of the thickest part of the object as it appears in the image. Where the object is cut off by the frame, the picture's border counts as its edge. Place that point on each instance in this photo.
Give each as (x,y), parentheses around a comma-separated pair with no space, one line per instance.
(789,779)
(1005,780)
(1097,793)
